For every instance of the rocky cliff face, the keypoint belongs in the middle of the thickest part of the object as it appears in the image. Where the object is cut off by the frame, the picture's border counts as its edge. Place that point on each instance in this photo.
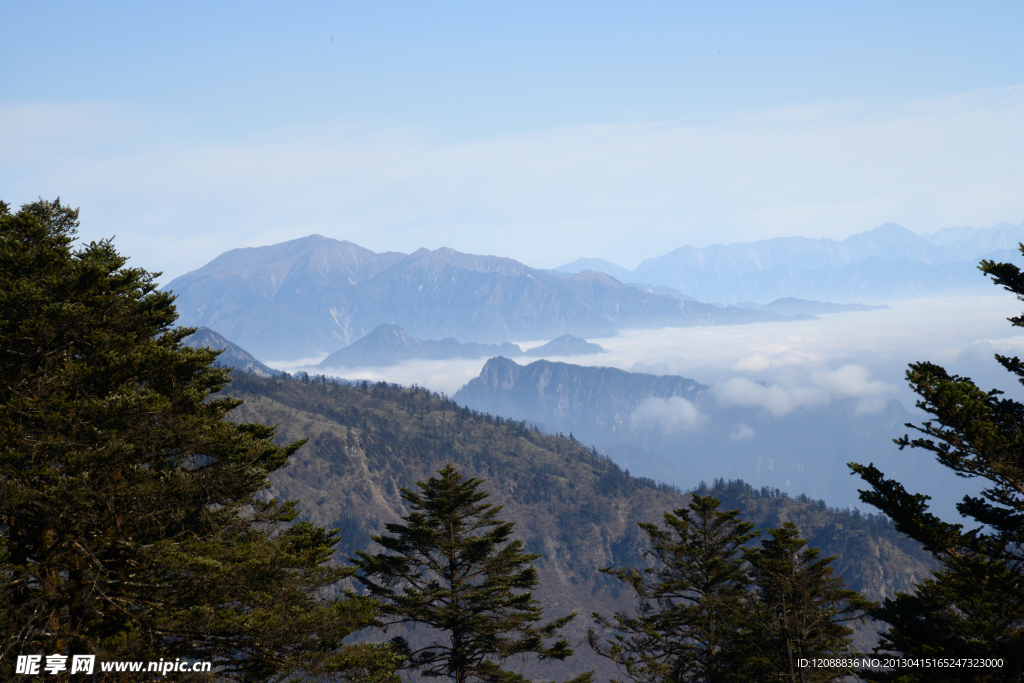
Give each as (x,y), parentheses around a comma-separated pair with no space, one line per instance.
(588,400)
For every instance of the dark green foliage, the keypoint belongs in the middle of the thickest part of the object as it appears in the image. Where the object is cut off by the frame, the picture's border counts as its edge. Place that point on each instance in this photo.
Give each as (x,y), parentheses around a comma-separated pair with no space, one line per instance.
(132,520)
(453,568)
(709,609)
(973,606)
(872,557)
(689,601)
(798,610)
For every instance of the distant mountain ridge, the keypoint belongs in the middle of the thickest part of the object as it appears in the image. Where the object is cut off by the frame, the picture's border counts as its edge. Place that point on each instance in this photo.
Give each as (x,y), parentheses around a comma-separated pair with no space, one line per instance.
(793,306)
(889,261)
(566,345)
(597,265)
(310,296)
(390,345)
(658,289)
(233,356)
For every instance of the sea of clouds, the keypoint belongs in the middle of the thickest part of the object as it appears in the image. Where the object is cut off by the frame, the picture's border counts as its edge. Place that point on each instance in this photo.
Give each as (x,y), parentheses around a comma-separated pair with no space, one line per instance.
(783,366)
(837,369)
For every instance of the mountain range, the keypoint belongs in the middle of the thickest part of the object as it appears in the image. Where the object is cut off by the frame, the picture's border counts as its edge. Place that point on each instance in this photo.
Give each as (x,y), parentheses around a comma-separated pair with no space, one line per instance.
(885,263)
(390,345)
(310,296)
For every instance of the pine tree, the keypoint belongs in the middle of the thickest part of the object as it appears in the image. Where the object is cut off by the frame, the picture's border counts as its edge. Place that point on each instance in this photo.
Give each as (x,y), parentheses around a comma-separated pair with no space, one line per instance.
(973,607)
(797,611)
(689,602)
(453,569)
(132,521)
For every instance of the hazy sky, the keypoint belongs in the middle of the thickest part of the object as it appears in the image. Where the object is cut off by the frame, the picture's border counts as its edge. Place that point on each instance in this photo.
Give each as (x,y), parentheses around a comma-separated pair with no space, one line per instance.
(540,131)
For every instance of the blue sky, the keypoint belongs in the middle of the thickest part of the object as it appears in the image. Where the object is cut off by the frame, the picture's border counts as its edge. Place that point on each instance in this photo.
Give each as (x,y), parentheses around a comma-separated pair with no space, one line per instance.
(540,131)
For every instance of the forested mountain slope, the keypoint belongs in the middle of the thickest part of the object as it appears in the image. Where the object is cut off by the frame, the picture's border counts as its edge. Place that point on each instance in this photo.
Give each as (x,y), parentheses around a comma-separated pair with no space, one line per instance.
(569,503)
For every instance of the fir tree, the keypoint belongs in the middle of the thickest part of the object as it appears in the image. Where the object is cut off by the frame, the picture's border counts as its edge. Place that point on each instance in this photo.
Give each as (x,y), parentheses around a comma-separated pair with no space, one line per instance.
(689,602)
(453,569)
(973,607)
(797,612)
(132,521)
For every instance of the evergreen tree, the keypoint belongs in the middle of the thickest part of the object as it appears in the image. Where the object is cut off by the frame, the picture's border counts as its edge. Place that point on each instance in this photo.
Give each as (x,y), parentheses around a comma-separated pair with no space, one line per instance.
(973,607)
(132,524)
(689,602)
(797,611)
(453,568)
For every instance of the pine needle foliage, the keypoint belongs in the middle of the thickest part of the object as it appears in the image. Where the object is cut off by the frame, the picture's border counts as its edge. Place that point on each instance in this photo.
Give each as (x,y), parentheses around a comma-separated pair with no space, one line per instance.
(132,520)
(797,612)
(689,601)
(454,568)
(711,610)
(973,607)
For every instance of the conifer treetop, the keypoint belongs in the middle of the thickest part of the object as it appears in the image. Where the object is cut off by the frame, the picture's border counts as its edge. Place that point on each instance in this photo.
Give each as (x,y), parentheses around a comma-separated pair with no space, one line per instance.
(455,569)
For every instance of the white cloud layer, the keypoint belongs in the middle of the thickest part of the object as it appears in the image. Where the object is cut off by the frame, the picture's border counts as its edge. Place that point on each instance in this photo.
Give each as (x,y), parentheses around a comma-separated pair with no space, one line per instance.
(814,389)
(777,400)
(670,415)
(742,432)
(784,366)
